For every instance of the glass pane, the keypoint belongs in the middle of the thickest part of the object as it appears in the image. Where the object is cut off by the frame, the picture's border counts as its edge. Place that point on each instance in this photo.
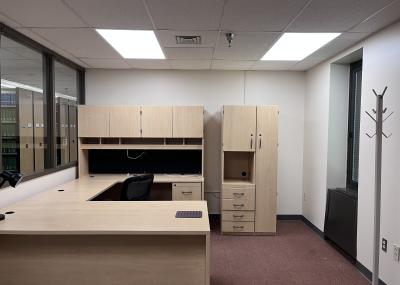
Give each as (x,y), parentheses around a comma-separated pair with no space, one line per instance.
(22,108)
(356,124)
(66,97)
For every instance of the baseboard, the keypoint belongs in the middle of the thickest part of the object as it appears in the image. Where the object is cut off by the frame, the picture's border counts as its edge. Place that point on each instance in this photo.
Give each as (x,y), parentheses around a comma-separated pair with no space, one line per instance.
(289,217)
(366,272)
(312,227)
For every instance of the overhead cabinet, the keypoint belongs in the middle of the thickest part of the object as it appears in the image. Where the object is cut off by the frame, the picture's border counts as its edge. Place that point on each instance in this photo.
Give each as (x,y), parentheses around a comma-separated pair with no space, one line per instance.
(239,128)
(125,121)
(156,121)
(249,169)
(94,121)
(140,121)
(187,121)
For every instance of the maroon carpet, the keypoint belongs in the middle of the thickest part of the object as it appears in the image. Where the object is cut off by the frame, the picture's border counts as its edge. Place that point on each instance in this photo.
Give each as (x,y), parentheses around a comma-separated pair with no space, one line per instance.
(296,255)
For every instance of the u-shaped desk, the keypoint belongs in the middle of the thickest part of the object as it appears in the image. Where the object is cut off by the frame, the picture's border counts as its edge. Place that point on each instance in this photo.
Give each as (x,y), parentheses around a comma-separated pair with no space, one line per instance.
(60,237)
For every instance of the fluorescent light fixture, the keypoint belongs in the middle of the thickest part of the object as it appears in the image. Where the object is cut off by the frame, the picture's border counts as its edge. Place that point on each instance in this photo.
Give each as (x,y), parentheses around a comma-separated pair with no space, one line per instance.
(133,43)
(297,46)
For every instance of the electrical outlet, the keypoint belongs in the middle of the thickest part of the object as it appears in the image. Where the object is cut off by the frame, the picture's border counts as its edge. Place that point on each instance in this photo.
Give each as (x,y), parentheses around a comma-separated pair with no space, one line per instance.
(396,252)
(384,245)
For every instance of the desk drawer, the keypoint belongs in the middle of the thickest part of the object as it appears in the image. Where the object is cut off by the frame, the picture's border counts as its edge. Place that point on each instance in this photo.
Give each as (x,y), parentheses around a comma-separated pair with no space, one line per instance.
(186,191)
(238,216)
(237,227)
(237,204)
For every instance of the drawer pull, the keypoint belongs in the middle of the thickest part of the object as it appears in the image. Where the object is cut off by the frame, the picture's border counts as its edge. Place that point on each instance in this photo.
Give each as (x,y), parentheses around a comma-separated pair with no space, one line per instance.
(187,192)
(238,205)
(237,195)
(237,227)
(238,216)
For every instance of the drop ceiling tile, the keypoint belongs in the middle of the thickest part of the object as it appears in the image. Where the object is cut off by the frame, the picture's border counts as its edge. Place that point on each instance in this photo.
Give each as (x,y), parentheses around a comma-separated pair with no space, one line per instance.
(335,16)
(51,46)
(166,38)
(186,14)
(189,53)
(382,19)
(116,14)
(83,42)
(105,63)
(260,15)
(245,46)
(148,63)
(9,22)
(40,13)
(273,65)
(232,64)
(190,64)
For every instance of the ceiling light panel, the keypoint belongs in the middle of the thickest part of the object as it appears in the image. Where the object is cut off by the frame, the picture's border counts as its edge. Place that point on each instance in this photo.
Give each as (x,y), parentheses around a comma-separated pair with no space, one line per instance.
(297,46)
(133,43)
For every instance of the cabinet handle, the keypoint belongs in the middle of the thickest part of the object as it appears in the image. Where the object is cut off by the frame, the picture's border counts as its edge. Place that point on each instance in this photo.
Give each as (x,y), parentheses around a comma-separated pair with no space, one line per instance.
(237,195)
(260,143)
(238,216)
(238,205)
(251,143)
(187,192)
(237,227)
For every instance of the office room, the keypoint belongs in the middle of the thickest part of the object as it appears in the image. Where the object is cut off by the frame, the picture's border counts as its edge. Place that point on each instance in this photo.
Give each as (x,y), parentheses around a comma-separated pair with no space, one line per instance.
(222,142)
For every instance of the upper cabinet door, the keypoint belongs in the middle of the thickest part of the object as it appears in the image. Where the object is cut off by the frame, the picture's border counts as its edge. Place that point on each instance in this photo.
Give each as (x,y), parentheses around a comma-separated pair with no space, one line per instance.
(94,121)
(239,128)
(156,121)
(187,122)
(125,122)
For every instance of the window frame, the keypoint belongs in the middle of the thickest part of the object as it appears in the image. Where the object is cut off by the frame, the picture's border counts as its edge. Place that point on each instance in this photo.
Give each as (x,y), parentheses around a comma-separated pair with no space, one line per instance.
(354,68)
(49,57)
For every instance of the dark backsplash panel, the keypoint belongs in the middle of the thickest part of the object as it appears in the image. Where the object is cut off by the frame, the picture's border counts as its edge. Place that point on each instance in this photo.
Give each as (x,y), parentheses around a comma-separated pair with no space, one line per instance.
(151,161)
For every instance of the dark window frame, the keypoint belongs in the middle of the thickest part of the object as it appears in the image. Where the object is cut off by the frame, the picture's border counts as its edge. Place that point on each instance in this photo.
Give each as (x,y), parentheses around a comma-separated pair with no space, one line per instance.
(354,68)
(49,57)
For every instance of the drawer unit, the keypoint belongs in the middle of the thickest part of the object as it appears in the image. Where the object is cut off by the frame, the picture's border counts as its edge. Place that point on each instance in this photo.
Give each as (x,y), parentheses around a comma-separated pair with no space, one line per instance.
(236,192)
(238,216)
(237,204)
(237,227)
(186,191)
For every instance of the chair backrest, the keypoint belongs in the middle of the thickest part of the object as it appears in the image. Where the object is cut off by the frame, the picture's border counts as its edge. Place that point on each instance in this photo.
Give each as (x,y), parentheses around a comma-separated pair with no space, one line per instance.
(137,188)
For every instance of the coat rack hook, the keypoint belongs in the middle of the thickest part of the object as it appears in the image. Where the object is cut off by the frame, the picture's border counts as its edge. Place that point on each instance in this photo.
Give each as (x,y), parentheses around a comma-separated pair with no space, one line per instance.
(388,116)
(384,111)
(370,116)
(373,110)
(368,135)
(386,136)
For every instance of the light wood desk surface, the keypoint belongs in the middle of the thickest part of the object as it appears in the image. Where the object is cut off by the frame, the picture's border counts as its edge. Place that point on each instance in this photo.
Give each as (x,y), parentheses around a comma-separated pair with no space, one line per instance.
(70,212)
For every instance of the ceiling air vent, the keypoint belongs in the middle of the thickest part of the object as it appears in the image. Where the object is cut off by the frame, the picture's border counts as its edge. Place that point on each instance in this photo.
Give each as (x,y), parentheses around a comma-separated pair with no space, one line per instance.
(188,40)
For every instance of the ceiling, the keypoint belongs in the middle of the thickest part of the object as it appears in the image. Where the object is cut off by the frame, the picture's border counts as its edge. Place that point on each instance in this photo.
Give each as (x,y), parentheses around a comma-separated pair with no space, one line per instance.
(67,27)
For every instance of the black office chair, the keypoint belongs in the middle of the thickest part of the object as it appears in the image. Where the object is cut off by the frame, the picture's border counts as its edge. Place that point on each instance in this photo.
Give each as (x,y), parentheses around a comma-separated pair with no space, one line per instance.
(137,188)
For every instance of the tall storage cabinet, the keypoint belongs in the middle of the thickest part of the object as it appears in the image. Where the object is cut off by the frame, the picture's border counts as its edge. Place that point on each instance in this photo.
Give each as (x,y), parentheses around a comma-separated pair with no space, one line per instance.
(249,169)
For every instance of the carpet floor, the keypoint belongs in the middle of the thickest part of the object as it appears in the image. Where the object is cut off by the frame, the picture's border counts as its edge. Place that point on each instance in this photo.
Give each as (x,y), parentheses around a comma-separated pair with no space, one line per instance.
(296,255)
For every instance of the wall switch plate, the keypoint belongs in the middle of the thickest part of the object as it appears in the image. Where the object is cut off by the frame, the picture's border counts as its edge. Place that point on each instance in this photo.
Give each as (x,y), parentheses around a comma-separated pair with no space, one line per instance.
(384,245)
(396,252)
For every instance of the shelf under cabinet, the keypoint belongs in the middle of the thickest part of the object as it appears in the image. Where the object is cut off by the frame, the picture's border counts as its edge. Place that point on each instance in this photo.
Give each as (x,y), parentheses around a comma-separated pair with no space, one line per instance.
(139,146)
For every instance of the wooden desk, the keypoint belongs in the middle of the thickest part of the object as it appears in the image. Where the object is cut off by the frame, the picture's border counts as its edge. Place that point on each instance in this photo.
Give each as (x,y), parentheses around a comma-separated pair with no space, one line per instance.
(62,238)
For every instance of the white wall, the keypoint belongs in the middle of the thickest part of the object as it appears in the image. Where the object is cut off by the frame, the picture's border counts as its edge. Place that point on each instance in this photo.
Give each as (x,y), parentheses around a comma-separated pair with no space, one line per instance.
(214,89)
(381,67)
(29,188)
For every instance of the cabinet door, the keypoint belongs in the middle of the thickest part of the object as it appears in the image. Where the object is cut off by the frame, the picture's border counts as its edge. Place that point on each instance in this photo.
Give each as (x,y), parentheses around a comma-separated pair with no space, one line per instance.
(124,122)
(239,128)
(266,168)
(94,121)
(25,131)
(63,139)
(187,122)
(39,130)
(73,140)
(156,122)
